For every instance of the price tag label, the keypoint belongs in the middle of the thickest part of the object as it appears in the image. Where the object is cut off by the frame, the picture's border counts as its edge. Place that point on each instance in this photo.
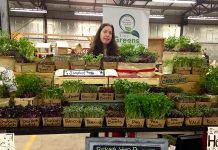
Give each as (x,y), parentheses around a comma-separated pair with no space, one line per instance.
(7,141)
(212,138)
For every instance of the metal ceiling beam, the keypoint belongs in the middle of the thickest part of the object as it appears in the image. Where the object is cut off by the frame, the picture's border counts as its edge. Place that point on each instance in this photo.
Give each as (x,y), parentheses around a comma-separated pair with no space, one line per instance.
(132,2)
(19,3)
(101,4)
(163,10)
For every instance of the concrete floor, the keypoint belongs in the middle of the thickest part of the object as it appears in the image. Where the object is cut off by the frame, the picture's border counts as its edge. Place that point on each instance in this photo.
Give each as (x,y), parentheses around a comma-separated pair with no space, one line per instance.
(51,142)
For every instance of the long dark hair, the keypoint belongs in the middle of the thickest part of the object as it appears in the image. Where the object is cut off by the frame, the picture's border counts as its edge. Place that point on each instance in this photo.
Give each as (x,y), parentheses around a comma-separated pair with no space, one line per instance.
(97,46)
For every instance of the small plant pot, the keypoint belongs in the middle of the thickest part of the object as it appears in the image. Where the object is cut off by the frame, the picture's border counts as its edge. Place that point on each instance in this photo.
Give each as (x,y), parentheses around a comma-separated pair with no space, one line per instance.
(72,122)
(183,105)
(174,122)
(93,65)
(115,121)
(25,67)
(71,96)
(119,96)
(183,70)
(80,64)
(155,123)
(51,101)
(43,68)
(135,123)
(203,104)
(29,122)
(51,121)
(167,70)
(106,96)
(197,71)
(210,121)
(62,65)
(110,65)
(93,122)
(8,122)
(193,121)
(88,96)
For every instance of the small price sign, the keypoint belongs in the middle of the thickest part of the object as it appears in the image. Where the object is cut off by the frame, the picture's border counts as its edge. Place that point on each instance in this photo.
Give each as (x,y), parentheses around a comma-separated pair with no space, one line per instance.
(7,141)
(212,138)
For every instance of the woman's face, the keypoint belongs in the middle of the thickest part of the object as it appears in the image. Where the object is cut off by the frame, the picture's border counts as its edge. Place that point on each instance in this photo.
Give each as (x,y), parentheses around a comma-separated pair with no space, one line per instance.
(106,35)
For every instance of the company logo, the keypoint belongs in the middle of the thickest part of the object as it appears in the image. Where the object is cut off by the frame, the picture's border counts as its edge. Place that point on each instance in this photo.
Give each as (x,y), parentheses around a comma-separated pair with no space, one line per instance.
(127,24)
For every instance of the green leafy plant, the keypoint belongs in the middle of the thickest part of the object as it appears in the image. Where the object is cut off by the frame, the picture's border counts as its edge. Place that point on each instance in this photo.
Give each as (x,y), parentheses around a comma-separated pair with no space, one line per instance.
(72,86)
(138,87)
(199,62)
(121,86)
(29,85)
(185,98)
(174,113)
(170,43)
(52,93)
(193,112)
(89,89)
(210,112)
(73,111)
(115,111)
(182,61)
(168,62)
(4,93)
(93,111)
(92,58)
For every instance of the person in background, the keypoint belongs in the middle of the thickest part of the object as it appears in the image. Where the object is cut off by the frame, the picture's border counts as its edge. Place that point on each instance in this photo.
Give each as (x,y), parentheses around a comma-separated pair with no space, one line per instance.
(104,41)
(204,55)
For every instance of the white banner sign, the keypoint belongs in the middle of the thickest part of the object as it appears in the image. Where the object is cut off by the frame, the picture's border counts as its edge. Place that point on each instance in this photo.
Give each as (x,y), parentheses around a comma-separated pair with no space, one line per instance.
(130,24)
(212,138)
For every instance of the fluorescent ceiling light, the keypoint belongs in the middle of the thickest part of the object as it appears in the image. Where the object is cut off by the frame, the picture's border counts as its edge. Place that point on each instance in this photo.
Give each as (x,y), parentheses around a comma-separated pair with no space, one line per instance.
(202,18)
(79,13)
(156,16)
(176,1)
(38,10)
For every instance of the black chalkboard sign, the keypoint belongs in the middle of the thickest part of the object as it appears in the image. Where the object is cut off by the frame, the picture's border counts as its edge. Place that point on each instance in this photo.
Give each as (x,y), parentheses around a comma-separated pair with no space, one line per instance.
(125,144)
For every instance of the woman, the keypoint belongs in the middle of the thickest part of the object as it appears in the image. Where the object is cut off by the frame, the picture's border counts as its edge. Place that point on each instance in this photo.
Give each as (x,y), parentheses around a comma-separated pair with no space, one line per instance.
(104,41)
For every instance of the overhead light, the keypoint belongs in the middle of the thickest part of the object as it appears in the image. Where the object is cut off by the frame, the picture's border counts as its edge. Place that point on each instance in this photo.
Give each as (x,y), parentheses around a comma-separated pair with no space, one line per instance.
(156,17)
(202,18)
(176,1)
(79,13)
(37,10)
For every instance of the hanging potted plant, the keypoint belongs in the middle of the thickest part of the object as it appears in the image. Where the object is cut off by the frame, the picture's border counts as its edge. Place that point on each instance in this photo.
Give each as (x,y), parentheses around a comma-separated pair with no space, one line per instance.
(51,115)
(175,118)
(89,92)
(30,116)
(210,117)
(93,62)
(77,62)
(115,116)
(133,111)
(9,116)
(24,56)
(193,116)
(72,90)
(73,115)
(28,87)
(93,115)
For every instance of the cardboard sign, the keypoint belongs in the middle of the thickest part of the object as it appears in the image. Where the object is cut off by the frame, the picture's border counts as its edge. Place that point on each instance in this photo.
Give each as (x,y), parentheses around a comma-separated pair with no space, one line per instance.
(126,144)
(171,79)
(7,141)
(83,72)
(212,138)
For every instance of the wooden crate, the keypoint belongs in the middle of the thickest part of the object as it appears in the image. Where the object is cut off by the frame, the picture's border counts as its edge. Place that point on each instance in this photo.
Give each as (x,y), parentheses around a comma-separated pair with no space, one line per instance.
(171,55)
(25,67)
(7,62)
(189,87)
(157,45)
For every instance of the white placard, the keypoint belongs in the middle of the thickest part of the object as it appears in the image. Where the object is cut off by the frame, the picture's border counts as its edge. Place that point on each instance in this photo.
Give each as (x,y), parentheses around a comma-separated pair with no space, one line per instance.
(212,138)
(130,24)
(83,72)
(7,141)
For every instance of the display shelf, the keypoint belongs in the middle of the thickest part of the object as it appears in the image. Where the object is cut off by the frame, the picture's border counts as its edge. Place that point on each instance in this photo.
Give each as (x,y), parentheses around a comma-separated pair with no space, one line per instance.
(62,130)
(98,101)
(151,81)
(86,80)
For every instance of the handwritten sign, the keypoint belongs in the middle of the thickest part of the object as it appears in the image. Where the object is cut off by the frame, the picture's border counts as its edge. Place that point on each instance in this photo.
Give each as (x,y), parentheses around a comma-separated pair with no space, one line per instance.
(83,72)
(7,141)
(125,144)
(171,79)
(212,138)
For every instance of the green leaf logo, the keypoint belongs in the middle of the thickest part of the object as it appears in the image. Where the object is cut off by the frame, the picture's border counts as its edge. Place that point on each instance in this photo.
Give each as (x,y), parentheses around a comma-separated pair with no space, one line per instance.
(128,29)
(135,33)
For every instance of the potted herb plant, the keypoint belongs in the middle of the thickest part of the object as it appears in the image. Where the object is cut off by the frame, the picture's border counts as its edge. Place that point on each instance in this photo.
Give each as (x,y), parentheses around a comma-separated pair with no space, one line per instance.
(110,62)
(72,90)
(133,111)
(9,116)
(28,87)
(193,116)
(167,66)
(93,62)
(93,115)
(51,115)
(171,43)
(115,116)
(61,62)
(184,101)
(106,93)
(203,101)
(52,95)
(73,115)
(182,65)
(210,117)
(89,92)
(199,66)
(174,118)
(121,87)
(46,65)
(30,116)
(139,87)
